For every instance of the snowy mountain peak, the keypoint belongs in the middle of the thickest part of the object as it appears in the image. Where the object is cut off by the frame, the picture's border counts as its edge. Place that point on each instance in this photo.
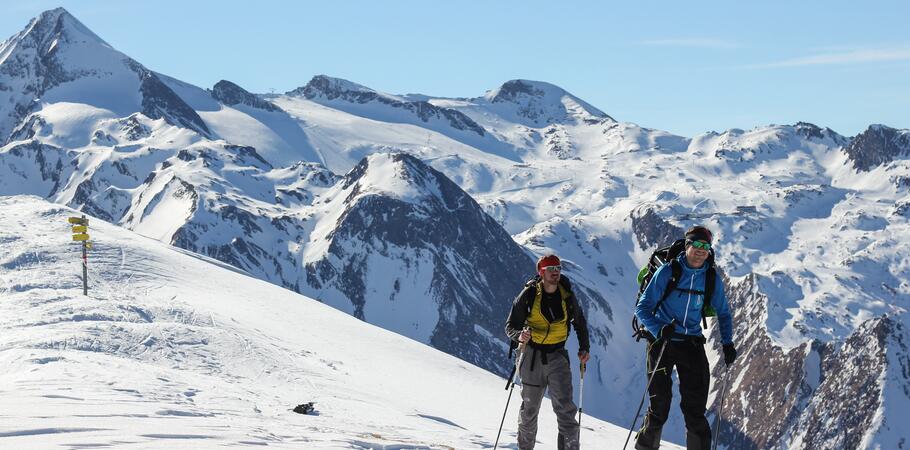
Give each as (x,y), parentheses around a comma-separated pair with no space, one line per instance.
(363,101)
(50,28)
(397,222)
(396,175)
(329,88)
(57,59)
(54,48)
(512,90)
(878,145)
(810,131)
(543,103)
(231,94)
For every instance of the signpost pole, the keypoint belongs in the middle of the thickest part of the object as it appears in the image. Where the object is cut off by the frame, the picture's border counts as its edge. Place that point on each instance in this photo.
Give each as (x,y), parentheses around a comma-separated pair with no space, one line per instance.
(84,265)
(80,234)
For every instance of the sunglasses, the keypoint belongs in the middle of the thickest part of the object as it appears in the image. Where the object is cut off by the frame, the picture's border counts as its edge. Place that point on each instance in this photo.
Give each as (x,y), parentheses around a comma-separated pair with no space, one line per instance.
(551,269)
(700,245)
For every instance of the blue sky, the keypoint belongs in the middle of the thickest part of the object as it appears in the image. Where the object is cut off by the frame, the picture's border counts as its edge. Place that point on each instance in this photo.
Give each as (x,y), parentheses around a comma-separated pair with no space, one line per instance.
(666,65)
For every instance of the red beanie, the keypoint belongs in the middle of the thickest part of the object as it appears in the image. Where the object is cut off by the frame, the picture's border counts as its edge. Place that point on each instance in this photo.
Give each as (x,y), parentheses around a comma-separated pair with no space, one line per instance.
(546,261)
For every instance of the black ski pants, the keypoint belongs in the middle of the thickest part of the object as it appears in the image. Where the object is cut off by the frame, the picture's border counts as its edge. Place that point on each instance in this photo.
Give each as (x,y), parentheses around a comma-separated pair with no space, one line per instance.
(691,363)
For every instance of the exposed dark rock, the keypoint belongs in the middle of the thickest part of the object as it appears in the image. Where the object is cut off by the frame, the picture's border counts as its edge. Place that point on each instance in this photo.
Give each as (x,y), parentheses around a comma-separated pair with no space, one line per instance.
(248,155)
(160,102)
(32,62)
(203,154)
(901,181)
(28,128)
(876,146)
(84,201)
(133,129)
(245,219)
(322,86)
(461,241)
(511,90)
(533,103)
(231,94)
(653,231)
(821,396)
(809,130)
(27,156)
(776,378)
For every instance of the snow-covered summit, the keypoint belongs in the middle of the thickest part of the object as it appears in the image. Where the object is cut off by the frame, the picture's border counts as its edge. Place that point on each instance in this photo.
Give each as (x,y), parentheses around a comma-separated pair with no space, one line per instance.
(56,60)
(396,175)
(542,103)
(50,27)
(400,245)
(363,101)
(809,131)
(330,88)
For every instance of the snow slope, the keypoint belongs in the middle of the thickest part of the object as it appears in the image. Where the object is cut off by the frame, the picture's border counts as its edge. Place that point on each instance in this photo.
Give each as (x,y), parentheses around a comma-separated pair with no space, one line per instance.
(174,350)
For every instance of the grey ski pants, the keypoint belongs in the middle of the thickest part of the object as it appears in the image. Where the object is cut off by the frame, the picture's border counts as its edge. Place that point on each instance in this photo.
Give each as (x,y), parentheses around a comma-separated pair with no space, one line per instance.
(536,379)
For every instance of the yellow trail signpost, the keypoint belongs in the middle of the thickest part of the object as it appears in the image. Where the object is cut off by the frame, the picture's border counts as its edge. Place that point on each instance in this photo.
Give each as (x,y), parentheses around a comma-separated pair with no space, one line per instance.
(80,234)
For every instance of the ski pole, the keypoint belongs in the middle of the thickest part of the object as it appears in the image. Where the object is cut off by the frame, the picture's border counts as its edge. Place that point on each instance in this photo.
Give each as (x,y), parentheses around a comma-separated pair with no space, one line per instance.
(720,408)
(651,378)
(517,368)
(581,400)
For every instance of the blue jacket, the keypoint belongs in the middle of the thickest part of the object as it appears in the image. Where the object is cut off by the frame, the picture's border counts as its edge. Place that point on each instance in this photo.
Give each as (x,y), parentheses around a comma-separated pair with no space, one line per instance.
(683,306)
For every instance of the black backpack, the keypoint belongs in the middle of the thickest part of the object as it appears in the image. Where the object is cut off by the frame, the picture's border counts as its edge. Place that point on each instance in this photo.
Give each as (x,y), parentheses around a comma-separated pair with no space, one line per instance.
(667,255)
(570,311)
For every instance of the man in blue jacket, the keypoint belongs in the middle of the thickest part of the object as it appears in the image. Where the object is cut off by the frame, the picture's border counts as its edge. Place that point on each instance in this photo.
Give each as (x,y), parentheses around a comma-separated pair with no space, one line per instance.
(676,322)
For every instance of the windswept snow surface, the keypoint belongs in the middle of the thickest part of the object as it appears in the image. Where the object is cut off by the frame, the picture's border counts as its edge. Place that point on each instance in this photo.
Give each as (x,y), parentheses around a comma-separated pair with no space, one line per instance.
(169,350)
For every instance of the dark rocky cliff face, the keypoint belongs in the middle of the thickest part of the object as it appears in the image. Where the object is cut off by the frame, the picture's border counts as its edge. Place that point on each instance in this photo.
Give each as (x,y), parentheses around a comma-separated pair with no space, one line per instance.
(876,146)
(477,268)
(653,231)
(160,102)
(815,396)
(230,94)
(776,379)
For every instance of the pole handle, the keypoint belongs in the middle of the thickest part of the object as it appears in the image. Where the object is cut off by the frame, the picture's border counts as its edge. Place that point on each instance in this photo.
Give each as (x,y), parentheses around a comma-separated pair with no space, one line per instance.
(519,355)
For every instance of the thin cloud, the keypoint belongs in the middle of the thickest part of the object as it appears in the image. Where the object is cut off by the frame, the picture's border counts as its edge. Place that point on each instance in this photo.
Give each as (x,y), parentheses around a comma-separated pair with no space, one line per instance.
(691,42)
(860,56)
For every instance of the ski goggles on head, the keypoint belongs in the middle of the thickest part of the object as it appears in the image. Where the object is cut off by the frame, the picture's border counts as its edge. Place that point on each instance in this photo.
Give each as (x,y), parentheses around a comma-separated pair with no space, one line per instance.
(700,245)
(551,269)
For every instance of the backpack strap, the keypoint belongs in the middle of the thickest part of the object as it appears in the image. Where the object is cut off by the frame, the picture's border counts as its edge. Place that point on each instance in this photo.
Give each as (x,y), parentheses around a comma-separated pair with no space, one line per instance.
(675,274)
(530,285)
(710,284)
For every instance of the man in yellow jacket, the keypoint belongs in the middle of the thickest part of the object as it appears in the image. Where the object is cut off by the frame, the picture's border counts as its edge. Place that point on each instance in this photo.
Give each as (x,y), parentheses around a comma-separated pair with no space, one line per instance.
(548,308)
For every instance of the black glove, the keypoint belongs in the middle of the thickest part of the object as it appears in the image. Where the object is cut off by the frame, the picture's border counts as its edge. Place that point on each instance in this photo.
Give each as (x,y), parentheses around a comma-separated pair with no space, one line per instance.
(666,331)
(729,354)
